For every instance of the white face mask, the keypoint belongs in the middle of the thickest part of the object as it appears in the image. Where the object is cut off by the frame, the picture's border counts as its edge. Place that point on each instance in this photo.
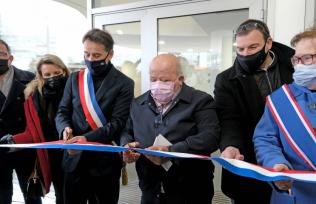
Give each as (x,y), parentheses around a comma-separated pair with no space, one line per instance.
(305,75)
(162,92)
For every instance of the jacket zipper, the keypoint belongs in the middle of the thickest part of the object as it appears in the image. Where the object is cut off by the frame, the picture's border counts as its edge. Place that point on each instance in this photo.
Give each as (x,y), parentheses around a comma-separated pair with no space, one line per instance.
(269,82)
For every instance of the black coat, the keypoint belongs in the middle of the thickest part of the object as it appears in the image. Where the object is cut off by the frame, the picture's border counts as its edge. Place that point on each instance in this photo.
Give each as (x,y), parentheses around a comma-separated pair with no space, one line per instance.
(12,121)
(240,106)
(114,98)
(12,118)
(190,124)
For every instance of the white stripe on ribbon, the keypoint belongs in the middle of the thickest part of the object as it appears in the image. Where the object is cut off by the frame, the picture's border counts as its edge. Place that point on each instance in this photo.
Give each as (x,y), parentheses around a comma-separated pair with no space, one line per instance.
(288,135)
(235,166)
(87,97)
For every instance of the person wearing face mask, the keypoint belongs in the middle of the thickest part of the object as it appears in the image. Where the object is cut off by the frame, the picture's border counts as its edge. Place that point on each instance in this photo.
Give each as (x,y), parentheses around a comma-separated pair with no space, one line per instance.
(94,108)
(186,117)
(285,136)
(12,121)
(42,96)
(261,66)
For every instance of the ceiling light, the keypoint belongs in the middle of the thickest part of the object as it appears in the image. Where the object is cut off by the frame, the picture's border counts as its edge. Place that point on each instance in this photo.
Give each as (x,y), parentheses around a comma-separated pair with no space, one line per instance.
(161,42)
(119,32)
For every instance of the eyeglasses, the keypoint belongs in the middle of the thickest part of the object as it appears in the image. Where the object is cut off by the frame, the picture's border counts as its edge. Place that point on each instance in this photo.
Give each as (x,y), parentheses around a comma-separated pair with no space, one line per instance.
(305,59)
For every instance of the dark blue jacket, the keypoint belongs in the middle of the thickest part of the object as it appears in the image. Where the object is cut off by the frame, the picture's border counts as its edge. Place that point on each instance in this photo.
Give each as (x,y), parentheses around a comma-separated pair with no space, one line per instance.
(12,118)
(114,98)
(191,125)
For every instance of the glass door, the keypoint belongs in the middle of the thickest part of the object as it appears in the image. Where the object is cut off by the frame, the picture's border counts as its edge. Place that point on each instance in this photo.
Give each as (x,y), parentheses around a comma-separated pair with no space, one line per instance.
(199,32)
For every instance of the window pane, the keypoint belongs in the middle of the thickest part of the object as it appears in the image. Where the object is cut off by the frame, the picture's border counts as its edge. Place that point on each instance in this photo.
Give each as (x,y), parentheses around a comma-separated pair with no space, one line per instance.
(203,43)
(48,27)
(127,50)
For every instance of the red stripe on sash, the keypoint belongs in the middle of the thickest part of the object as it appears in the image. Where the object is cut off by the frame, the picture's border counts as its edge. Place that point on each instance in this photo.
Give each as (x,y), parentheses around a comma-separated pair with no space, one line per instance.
(300,111)
(287,137)
(83,101)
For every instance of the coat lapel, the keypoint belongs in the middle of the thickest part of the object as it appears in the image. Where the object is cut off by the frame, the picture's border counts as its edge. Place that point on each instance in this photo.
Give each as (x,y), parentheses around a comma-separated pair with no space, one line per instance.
(251,94)
(107,83)
(14,93)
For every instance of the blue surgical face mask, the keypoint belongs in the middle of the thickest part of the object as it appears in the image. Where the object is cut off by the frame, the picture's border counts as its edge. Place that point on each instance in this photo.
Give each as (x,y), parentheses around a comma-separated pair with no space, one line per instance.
(305,75)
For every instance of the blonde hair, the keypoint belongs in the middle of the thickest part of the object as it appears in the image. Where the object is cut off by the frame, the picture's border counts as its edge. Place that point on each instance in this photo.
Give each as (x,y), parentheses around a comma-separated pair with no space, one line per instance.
(308,33)
(38,82)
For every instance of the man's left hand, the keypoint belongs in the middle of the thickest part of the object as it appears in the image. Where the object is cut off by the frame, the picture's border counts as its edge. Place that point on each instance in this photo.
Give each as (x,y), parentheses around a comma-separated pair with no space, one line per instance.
(75,140)
(156,159)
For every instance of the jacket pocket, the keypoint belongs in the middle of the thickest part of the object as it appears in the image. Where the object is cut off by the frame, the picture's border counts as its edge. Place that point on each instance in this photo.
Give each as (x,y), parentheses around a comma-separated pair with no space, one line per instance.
(282,197)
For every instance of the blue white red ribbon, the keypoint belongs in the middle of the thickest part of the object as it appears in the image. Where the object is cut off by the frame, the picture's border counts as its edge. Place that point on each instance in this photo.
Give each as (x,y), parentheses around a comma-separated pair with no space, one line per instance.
(235,166)
(90,106)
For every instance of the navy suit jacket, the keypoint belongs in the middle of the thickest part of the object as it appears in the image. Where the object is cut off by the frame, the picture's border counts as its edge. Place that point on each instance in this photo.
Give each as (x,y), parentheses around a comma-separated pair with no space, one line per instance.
(114,97)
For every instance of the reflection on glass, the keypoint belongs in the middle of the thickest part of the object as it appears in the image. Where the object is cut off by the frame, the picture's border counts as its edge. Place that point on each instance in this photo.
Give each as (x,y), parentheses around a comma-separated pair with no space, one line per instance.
(127,50)
(101,3)
(203,43)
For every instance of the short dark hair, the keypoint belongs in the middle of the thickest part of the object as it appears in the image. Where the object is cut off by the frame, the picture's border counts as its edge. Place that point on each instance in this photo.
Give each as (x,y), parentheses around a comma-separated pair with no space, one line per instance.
(100,37)
(253,24)
(6,45)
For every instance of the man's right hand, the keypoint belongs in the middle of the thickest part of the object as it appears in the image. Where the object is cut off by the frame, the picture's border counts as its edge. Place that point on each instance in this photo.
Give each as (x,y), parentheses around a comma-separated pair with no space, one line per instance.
(6,139)
(282,184)
(130,156)
(67,133)
(231,152)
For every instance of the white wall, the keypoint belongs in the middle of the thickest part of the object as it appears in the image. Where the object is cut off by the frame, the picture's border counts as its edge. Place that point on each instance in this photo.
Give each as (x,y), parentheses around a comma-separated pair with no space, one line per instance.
(285,18)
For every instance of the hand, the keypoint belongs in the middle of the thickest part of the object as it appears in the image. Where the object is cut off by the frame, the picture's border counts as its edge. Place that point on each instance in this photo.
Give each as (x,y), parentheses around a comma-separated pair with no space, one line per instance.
(282,184)
(231,152)
(67,133)
(130,156)
(6,139)
(156,159)
(75,140)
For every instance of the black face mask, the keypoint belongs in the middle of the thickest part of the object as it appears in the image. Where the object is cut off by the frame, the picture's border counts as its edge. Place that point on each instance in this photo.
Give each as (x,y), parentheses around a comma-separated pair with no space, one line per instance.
(4,66)
(54,86)
(251,63)
(97,68)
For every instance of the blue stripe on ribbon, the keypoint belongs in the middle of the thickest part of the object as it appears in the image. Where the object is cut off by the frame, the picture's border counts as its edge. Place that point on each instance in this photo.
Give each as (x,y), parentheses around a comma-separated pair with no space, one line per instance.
(93,99)
(246,172)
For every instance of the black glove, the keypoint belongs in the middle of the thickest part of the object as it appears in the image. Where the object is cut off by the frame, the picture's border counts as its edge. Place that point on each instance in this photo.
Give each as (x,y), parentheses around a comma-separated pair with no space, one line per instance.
(6,139)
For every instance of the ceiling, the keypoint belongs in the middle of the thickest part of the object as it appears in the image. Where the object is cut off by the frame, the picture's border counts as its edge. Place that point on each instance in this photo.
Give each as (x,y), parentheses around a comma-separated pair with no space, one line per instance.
(80,5)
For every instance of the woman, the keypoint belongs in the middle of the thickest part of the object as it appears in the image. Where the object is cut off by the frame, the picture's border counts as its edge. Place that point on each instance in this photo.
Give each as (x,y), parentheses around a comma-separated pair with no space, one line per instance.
(285,137)
(42,96)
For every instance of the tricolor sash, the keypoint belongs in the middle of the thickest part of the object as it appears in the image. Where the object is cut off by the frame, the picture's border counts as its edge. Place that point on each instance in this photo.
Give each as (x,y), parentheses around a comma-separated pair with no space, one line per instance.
(90,106)
(294,125)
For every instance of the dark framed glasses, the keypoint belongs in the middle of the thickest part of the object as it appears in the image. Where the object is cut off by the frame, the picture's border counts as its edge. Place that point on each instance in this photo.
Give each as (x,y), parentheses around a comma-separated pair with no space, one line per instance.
(305,59)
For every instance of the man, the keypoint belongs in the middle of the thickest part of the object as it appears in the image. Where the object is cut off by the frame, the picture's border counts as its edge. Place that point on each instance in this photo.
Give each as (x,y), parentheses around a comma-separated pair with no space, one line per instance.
(261,66)
(94,108)
(12,121)
(187,119)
